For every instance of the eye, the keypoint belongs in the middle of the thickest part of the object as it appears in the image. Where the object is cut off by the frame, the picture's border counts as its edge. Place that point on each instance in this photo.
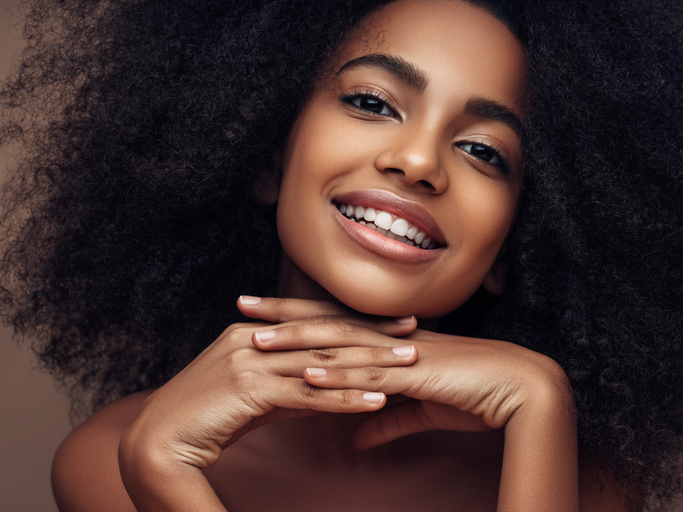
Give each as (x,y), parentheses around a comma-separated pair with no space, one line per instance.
(369,103)
(487,154)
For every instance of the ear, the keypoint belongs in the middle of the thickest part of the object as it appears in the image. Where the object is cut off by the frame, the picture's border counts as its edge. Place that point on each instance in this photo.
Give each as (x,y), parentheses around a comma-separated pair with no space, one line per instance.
(267,189)
(494,282)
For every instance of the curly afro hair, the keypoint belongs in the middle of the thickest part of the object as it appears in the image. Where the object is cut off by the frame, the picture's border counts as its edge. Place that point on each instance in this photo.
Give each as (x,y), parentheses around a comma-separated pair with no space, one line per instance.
(129,226)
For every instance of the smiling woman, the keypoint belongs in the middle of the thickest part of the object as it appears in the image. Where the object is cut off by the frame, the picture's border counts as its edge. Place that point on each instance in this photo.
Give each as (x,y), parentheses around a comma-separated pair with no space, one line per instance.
(405,126)
(469,213)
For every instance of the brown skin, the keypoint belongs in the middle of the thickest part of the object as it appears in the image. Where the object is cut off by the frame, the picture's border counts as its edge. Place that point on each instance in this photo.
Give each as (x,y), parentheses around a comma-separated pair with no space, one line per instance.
(494,423)
(417,149)
(307,464)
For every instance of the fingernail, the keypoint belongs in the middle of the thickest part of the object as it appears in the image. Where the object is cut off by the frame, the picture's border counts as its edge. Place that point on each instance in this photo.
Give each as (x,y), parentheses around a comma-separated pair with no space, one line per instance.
(373,398)
(316,372)
(264,335)
(403,351)
(405,319)
(248,300)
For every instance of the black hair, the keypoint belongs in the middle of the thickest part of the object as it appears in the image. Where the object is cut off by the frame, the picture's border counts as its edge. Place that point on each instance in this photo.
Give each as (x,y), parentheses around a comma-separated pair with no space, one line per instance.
(130,228)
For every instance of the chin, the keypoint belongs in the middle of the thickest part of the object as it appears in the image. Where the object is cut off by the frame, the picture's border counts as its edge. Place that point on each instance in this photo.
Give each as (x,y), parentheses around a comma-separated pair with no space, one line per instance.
(386,304)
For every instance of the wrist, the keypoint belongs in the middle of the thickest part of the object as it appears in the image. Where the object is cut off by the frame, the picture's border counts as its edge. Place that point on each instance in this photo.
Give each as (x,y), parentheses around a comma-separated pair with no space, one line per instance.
(540,463)
(158,480)
(547,391)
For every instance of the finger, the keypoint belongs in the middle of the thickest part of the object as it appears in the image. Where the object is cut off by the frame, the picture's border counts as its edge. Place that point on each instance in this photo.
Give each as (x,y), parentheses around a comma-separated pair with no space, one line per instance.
(390,380)
(278,311)
(411,417)
(296,393)
(293,363)
(326,332)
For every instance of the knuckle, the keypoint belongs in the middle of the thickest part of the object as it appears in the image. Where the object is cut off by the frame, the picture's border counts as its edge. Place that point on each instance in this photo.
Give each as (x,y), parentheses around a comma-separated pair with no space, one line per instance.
(246,381)
(374,374)
(232,328)
(307,392)
(240,331)
(276,308)
(323,319)
(295,332)
(344,330)
(382,354)
(344,399)
(240,357)
(277,303)
(248,390)
(325,355)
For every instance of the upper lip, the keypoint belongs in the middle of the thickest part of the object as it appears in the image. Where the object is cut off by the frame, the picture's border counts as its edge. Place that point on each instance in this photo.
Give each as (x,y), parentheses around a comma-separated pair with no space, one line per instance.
(389,202)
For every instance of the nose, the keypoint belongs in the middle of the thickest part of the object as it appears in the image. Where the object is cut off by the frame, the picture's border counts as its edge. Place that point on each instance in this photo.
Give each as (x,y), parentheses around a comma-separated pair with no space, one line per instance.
(414,158)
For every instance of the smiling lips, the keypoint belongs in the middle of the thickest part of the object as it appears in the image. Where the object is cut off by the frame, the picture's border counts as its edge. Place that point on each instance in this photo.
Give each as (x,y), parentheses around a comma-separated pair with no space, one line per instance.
(391,226)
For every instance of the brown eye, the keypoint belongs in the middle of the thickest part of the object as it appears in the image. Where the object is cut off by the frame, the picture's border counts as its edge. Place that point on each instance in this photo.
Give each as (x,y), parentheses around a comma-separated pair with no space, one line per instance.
(484,153)
(369,103)
(487,154)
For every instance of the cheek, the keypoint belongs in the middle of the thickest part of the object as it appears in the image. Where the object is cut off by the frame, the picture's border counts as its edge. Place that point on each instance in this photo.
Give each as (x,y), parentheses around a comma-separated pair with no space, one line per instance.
(481,220)
(489,216)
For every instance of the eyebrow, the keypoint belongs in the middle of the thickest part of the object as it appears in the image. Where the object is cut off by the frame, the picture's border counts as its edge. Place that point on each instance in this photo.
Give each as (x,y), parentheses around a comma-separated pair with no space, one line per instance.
(416,79)
(408,73)
(489,109)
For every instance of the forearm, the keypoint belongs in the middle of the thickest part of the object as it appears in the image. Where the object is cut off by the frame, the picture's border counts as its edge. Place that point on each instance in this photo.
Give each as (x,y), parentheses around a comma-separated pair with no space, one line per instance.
(540,462)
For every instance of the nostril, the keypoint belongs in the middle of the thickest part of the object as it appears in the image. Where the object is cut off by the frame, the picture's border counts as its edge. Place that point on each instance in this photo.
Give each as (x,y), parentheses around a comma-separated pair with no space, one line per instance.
(427,185)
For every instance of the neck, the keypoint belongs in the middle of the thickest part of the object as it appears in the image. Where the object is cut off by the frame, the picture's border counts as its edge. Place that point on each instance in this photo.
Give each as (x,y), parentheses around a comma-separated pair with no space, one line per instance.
(295,284)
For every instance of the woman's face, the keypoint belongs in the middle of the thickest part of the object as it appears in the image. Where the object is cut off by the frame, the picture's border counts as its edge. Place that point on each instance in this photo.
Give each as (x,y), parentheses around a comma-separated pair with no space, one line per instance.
(418,129)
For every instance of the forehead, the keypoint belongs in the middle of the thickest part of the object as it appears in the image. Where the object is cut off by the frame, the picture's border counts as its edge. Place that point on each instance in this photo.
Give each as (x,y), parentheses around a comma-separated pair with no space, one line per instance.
(455,43)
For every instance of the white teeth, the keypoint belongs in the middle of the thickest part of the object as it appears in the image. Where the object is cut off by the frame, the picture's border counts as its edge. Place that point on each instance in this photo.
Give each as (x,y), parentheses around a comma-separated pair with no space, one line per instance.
(383,220)
(399,227)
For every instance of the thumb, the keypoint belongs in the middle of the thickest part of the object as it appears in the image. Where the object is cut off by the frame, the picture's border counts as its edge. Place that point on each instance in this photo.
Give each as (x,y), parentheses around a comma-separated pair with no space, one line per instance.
(411,417)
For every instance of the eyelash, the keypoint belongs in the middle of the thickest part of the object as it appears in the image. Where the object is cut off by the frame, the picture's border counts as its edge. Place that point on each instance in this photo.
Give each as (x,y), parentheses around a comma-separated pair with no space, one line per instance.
(371,95)
(503,164)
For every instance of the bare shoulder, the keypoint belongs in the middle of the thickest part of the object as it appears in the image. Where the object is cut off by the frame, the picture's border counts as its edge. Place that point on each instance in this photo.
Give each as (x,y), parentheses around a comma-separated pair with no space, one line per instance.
(85,470)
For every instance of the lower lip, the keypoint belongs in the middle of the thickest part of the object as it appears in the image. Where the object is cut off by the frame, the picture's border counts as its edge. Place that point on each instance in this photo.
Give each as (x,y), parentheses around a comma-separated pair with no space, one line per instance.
(383,246)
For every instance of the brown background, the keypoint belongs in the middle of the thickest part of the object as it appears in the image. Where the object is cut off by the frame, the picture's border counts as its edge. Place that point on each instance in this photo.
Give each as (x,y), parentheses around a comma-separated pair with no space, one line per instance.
(33,415)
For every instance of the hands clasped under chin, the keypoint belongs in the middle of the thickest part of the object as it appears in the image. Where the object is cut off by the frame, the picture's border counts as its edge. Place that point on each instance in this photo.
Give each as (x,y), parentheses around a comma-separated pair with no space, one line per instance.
(313,356)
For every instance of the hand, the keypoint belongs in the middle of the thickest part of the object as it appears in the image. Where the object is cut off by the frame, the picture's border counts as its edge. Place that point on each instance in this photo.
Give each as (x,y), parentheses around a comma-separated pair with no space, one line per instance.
(467,384)
(232,387)
(457,383)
